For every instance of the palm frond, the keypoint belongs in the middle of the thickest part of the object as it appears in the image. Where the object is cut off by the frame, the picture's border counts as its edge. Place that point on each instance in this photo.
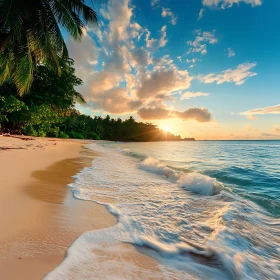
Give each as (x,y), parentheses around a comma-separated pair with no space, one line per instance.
(80,99)
(30,35)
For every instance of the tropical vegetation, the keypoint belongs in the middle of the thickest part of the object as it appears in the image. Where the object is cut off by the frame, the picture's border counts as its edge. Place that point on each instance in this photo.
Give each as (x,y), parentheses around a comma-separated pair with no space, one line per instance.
(30,35)
(37,78)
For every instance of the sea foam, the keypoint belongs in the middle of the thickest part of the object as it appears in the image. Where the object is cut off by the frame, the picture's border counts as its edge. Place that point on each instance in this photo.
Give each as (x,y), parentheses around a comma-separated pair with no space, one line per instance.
(191,236)
(194,182)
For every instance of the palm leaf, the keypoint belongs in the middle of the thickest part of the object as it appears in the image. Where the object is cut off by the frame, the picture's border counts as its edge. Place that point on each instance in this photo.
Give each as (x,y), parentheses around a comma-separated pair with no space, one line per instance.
(80,99)
(30,35)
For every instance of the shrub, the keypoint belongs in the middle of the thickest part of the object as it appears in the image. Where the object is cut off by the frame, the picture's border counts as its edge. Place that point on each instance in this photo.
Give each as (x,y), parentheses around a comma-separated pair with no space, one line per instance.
(63,135)
(75,135)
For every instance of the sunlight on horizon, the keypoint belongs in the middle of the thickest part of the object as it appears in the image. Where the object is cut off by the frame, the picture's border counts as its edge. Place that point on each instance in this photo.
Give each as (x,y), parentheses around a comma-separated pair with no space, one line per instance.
(165,128)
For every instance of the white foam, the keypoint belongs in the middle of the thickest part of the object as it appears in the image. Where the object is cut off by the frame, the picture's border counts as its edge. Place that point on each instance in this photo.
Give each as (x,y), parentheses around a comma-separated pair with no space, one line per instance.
(191,236)
(194,182)
(152,165)
(199,183)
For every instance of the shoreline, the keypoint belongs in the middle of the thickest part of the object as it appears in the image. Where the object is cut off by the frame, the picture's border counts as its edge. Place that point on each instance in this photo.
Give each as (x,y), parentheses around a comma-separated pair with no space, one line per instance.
(39,216)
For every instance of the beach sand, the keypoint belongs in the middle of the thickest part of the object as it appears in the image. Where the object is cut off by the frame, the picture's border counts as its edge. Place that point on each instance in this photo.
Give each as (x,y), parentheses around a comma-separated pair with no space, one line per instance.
(39,218)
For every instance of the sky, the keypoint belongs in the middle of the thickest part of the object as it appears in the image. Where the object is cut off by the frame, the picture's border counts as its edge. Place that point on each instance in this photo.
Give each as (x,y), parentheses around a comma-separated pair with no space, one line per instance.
(207,69)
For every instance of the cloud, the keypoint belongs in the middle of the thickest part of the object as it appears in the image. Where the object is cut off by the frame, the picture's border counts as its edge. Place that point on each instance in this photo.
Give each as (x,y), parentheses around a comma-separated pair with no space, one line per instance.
(237,76)
(156,113)
(198,114)
(188,95)
(154,3)
(114,101)
(193,61)
(163,40)
(140,59)
(202,39)
(200,15)
(123,69)
(162,83)
(262,111)
(252,129)
(84,53)
(223,4)
(166,12)
(267,134)
(156,43)
(231,53)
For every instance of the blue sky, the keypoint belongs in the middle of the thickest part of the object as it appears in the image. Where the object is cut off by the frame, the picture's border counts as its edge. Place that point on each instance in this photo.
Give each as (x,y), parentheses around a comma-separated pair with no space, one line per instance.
(202,68)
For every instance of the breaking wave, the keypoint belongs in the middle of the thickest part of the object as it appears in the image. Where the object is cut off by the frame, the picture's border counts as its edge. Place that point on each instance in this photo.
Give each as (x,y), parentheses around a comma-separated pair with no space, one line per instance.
(187,223)
(195,182)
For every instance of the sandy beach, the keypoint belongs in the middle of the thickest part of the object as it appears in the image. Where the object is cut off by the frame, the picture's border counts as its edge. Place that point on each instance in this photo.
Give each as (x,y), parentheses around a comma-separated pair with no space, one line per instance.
(39,217)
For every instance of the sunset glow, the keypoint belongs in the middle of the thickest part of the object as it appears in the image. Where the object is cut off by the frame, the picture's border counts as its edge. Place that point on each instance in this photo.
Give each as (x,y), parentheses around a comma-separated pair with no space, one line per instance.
(165,128)
(177,61)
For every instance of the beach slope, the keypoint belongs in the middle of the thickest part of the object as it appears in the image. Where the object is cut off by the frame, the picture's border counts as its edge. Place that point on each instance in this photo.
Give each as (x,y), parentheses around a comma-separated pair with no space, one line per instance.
(39,218)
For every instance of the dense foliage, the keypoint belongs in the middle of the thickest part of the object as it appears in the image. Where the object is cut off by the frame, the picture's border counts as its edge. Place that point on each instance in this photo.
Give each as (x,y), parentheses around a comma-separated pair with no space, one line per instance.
(30,35)
(48,110)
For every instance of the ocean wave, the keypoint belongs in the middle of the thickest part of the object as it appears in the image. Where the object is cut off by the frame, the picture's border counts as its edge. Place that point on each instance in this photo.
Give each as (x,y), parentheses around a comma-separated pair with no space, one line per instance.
(194,182)
(190,236)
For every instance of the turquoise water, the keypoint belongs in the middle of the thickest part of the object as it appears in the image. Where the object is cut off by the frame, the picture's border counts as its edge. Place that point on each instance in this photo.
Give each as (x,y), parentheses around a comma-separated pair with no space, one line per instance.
(202,210)
(248,168)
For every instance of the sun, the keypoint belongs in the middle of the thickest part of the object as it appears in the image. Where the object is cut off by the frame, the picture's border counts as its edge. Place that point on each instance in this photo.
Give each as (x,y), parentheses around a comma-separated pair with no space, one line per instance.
(165,128)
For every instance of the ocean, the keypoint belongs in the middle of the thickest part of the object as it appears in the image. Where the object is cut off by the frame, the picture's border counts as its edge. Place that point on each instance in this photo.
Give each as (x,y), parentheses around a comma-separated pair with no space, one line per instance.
(201,209)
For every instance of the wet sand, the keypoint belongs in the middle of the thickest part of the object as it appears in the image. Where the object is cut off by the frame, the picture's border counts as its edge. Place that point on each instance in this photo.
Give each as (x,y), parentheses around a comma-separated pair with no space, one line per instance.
(39,218)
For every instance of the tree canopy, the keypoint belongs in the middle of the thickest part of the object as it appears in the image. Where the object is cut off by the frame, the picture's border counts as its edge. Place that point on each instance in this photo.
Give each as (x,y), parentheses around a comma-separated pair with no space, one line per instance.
(30,35)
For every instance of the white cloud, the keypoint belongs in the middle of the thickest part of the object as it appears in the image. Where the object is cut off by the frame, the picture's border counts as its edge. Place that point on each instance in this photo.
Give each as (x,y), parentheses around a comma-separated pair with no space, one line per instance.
(200,15)
(156,43)
(136,30)
(163,40)
(194,60)
(124,74)
(84,53)
(188,95)
(166,12)
(224,4)
(271,110)
(237,76)
(198,114)
(154,3)
(201,41)
(105,14)
(231,53)
(162,83)
(229,3)
(150,42)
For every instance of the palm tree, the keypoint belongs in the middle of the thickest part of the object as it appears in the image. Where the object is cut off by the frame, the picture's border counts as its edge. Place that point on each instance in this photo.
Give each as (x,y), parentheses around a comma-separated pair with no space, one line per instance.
(30,34)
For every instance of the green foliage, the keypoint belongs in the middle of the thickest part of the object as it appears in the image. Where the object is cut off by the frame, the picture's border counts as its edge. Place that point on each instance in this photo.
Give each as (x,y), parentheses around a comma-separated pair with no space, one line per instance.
(61,134)
(9,105)
(48,110)
(42,110)
(30,36)
(75,135)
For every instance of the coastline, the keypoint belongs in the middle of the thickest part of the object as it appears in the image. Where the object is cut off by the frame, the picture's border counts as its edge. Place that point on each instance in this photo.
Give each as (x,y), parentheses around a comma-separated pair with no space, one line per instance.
(39,217)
